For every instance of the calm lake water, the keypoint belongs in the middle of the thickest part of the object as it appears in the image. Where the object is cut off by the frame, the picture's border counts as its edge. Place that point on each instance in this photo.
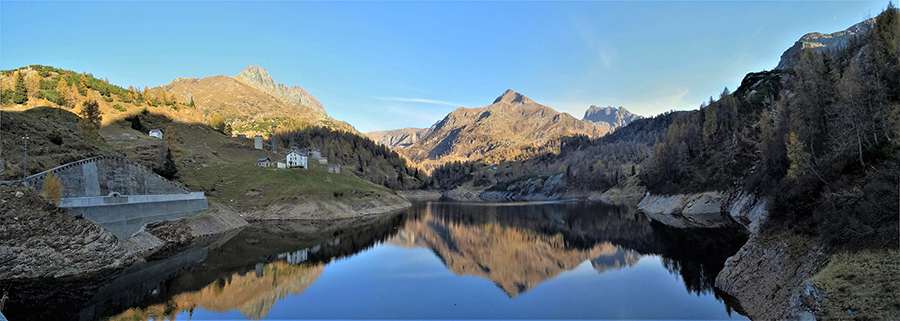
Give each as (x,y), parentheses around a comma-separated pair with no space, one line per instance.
(434,261)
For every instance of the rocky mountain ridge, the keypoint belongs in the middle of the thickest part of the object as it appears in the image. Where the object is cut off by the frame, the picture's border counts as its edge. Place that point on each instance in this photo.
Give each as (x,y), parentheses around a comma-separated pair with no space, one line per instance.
(819,41)
(508,128)
(398,137)
(609,118)
(252,102)
(259,78)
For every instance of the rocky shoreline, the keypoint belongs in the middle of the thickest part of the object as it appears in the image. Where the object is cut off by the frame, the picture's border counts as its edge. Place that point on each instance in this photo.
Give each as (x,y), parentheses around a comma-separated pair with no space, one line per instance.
(769,275)
(37,240)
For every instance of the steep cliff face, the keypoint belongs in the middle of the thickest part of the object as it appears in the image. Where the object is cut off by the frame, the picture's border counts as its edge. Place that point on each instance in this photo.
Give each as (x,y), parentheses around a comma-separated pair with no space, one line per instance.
(609,118)
(818,41)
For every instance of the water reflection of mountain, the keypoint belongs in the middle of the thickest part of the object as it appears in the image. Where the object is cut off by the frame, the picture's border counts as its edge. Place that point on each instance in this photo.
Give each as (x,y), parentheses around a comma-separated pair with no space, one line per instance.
(518,247)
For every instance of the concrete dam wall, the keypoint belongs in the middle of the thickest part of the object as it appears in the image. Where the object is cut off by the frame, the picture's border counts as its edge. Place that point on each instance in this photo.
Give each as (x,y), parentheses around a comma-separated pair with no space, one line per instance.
(102,175)
(120,194)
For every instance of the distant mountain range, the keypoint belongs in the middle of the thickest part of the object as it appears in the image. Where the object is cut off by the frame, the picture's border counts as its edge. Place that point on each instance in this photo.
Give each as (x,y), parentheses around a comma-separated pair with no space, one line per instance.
(508,128)
(609,118)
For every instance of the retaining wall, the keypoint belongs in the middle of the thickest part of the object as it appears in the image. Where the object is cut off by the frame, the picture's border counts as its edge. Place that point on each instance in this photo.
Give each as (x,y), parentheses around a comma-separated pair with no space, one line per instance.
(102,175)
(126,215)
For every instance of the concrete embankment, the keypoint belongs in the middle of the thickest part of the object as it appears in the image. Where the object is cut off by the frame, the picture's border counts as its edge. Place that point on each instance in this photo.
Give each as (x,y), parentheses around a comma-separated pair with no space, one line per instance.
(126,215)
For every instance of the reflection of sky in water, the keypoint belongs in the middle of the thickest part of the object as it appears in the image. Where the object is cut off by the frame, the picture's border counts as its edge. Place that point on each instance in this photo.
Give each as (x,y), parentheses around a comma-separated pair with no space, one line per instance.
(392,282)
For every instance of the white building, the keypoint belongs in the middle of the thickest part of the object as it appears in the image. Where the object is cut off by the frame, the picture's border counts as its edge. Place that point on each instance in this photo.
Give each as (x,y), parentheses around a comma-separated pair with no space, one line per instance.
(281,165)
(156,133)
(296,159)
(263,162)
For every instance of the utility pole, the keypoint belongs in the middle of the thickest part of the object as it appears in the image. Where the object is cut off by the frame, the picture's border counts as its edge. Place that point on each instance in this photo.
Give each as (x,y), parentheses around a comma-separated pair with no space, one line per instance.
(25,163)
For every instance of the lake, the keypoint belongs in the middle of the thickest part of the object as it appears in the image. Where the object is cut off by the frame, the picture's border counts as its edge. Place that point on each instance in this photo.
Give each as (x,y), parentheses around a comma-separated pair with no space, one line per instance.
(436,260)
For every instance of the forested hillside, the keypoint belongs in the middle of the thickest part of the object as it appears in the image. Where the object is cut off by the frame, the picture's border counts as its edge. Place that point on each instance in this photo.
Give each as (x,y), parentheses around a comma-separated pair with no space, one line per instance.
(819,139)
(589,164)
(359,154)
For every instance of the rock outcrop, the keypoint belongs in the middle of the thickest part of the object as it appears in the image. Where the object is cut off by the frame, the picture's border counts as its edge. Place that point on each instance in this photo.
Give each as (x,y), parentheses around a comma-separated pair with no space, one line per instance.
(398,137)
(768,276)
(609,118)
(38,240)
(259,78)
(818,41)
(702,210)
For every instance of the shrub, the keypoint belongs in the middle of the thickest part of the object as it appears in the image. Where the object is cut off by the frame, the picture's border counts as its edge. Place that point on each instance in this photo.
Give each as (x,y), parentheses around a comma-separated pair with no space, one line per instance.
(120,107)
(52,188)
(108,99)
(55,138)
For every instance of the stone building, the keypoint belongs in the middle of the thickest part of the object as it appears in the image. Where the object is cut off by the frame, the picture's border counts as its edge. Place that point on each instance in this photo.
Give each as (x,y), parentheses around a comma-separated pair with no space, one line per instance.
(258,142)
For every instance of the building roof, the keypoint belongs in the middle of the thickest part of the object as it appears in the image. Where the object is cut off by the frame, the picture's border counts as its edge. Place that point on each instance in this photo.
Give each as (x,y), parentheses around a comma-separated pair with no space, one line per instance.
(262,159)
(155,130)
(296,152)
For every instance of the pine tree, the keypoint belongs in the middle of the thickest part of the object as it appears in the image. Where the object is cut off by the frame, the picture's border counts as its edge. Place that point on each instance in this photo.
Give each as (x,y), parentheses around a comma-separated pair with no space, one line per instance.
(168,168)
(91,118)
(171,138)
(136,123)
(62,87)
(20,96)
(798,156)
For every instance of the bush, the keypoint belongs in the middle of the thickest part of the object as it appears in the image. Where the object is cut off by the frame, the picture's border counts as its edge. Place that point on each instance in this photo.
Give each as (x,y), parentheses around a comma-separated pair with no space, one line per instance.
(55,138)
(108,99)
(6,96)
(120,107)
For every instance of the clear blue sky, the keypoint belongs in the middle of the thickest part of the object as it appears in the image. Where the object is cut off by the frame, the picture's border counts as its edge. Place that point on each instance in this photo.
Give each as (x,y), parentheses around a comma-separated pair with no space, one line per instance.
(385,65)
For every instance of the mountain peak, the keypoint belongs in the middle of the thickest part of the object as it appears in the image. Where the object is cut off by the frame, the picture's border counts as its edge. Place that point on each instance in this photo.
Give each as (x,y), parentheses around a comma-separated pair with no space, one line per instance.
(609,118)
(511,96)
(259,78)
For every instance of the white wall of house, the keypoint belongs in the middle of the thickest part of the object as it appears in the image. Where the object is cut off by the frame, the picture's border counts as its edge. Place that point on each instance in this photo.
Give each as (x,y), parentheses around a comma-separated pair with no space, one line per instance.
(295,159)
